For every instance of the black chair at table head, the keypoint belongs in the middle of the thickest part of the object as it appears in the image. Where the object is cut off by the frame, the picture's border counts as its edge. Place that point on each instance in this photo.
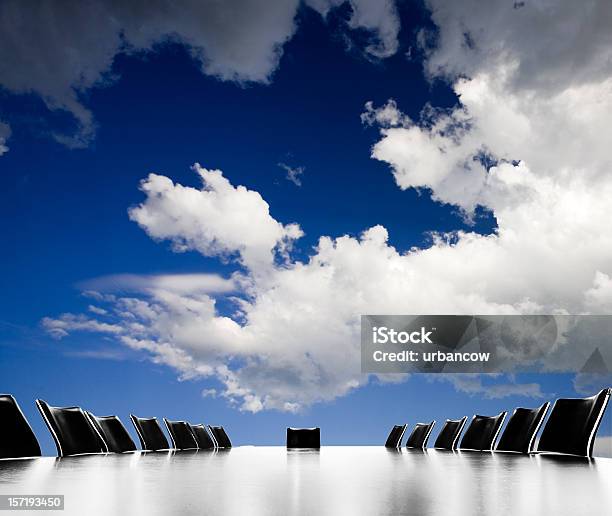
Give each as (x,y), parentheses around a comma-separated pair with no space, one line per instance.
(202,437)
(113,433)
(449,435)
(572,425)
(420,435)
(150,434)
(303,437)
(220,436)
(72,431)
(394,440)
(16,436)
(181,435)
(521,430)
(482,432)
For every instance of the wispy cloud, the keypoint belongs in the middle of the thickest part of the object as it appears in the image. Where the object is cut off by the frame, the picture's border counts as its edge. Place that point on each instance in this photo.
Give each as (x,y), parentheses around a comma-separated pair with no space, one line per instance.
(97,310)
(184,283)
(98,354)
(209,393)
(65,323)
(490,386)
(293,173)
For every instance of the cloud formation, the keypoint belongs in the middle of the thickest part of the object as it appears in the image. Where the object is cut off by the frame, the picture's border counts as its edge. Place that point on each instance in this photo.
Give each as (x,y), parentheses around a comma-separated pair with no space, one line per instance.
(293,173)
(5,133)
(204,283)
(293,338)
(49,48)
(473,384)
(378,17)
(532,151)
(218,220)
(61,326)
(295,331)
(546,46)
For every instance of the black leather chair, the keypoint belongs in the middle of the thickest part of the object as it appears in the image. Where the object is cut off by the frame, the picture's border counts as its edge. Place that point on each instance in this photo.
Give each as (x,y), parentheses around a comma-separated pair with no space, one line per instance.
(420,435)
(449,435)
(220,436)
(202,437)
(71,430)
(303,437)
(113,433)
(181,435)
(521,430)
(17,438)
(482,432)
(150,434)
(573,424)
(395,436)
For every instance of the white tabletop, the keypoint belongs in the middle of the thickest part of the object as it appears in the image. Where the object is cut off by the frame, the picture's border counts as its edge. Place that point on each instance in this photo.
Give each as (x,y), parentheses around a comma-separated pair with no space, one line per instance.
(335,480)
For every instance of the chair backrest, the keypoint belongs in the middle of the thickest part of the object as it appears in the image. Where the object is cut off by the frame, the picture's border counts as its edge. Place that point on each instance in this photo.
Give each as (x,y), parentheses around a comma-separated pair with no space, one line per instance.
(395,436)
(521,430)
(113,433)
(181,435)
(573,423)
(420,435)
(71,430)
(18,439)
(303,437)
(202,437)
(482,432)
(449,435)
(220,436)
(150,434)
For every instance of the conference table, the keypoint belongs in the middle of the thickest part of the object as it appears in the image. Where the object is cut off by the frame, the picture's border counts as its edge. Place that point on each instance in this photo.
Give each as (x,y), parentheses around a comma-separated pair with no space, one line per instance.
(335,480)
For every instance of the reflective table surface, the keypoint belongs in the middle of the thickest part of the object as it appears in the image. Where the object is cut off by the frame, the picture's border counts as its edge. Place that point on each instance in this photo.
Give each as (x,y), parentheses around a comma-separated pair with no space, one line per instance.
(335,480)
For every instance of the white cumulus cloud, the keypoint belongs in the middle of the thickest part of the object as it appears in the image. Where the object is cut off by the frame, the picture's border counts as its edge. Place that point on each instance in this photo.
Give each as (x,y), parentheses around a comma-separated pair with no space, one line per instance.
(217,220)
(296,330)
(548,44)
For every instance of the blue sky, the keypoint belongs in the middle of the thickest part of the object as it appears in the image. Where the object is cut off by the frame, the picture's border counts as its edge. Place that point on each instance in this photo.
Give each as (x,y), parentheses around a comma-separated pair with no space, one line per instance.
(64,218)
